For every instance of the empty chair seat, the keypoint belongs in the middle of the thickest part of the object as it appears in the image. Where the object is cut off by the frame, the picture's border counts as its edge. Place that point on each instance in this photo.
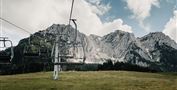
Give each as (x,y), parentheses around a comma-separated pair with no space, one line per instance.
(31,54)
(2,58)
(5,59)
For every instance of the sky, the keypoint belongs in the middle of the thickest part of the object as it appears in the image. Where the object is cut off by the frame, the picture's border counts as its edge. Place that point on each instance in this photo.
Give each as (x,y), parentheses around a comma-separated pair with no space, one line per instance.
(98,17)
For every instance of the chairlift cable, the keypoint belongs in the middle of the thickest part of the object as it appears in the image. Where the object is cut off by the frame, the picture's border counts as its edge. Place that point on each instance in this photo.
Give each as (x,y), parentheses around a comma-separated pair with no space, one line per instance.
(15,25)
(18,27)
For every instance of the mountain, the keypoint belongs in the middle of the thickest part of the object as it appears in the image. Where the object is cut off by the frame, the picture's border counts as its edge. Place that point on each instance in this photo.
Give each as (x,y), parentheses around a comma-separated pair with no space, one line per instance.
(162,49)
(155,50)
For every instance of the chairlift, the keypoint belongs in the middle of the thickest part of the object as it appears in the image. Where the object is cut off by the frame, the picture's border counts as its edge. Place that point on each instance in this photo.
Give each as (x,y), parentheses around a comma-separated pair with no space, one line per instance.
(5,57)
(36,50)
(64,48)
(68,50)
(31,50)
(35,53)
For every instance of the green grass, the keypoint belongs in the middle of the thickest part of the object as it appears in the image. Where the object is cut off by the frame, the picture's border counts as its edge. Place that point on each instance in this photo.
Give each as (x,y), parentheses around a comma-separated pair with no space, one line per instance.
(105,80)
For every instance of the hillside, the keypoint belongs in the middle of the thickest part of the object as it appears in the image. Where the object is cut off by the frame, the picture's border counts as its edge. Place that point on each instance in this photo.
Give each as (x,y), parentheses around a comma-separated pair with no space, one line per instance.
(107,80)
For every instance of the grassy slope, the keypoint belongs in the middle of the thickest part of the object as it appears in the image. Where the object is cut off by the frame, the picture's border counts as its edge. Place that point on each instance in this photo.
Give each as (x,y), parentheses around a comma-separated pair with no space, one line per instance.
(107,80)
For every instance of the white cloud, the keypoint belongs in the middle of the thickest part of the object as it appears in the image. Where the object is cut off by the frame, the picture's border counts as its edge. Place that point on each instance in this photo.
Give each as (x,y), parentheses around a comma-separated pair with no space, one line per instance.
(141,10)
(115,25)
(171,27)
(35,15)
(98,7)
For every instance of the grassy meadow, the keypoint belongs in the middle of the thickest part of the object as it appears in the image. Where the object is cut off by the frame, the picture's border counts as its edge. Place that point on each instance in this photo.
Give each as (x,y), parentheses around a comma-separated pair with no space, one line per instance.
(101,80)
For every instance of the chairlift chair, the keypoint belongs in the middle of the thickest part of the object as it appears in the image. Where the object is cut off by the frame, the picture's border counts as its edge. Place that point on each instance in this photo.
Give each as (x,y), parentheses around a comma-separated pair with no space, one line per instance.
(29,53)
(36,51)
(30,50)
(64,49)
(6,58)
(61,48)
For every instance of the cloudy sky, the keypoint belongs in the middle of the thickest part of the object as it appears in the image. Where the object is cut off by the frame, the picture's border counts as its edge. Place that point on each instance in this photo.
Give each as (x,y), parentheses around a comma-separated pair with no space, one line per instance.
(98,17)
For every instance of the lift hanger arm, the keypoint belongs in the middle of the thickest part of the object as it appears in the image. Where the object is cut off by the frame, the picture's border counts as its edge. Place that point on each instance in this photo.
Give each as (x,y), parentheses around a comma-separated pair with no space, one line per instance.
(71,12)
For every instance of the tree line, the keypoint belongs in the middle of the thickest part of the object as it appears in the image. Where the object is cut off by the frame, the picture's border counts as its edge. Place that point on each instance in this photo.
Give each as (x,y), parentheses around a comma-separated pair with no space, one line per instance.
(109,65)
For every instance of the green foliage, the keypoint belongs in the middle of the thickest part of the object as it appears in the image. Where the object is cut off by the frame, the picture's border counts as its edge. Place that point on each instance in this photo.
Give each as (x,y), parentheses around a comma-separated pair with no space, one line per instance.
(123,66)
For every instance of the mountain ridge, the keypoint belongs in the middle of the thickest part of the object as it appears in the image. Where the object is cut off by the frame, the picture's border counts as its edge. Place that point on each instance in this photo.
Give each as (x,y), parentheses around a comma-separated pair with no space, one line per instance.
(154,50)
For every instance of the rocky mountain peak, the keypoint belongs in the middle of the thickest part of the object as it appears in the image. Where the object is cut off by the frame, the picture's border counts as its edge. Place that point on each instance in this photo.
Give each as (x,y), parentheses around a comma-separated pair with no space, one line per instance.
(118,35)
(157,39)
(59,28)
